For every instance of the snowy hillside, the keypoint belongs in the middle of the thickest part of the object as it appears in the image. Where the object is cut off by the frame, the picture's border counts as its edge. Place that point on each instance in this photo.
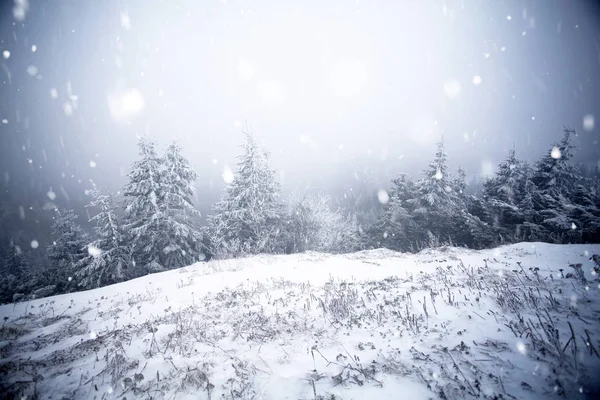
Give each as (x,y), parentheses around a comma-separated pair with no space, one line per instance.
(447,323)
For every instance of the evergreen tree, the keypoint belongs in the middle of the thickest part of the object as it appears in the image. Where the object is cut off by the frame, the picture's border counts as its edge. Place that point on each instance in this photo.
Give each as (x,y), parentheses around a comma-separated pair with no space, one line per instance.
(108,260)
(13,273)
(397,228)
(505,185)
(181,217)
(438,204)
(554,174)
(460,183)
(248,217)
(144,208)
(67,250)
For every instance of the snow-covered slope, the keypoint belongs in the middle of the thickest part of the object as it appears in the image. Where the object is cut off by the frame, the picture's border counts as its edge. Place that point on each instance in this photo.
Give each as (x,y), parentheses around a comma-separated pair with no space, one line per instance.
(445,323)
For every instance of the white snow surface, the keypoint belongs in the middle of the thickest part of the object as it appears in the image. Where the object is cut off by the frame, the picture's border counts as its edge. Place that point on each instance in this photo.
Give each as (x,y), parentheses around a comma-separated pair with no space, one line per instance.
(320,326)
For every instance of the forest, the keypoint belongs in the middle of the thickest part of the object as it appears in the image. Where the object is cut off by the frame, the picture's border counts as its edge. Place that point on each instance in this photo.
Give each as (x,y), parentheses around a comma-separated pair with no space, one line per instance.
(152,225)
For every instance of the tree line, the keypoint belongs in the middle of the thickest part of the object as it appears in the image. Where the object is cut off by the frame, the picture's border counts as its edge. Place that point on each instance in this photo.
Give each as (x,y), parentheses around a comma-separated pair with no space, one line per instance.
(153,225)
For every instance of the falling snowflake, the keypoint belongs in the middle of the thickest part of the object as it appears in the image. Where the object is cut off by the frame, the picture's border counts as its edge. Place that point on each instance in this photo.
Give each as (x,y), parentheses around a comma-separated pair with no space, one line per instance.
(32,70)
(33,48)
(588,122)
(438,175)
(383,196)
(509,17)
(125,104)
(6,54)
(94,251)
(92,164)
(573,226)
(68,109)
(20,9)
(5,121)
(34,244)
(125,21)
(93,335)
(70,278)
(53,93)
(555,153)
(521,347)
(227,175)
(51,195)
(452,89)
(476,80)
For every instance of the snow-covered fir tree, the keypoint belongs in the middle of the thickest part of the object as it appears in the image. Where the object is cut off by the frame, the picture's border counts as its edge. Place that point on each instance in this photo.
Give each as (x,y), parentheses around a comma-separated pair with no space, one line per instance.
(507,181)
(13,272)
(248,217)
(66,251)
(144,208)
(554,174)
(109,259)
(180,216)
(396,228)
(438,201)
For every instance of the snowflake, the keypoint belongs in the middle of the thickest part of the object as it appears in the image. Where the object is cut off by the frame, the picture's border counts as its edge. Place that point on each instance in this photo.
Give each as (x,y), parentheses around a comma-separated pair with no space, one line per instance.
(383,196)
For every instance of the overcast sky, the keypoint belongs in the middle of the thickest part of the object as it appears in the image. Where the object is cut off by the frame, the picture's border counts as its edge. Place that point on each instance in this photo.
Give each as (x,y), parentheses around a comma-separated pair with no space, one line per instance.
(329,87)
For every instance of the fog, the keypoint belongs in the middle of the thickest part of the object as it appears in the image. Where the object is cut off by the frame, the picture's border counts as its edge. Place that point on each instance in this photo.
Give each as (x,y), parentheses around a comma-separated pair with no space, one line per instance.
(334,90)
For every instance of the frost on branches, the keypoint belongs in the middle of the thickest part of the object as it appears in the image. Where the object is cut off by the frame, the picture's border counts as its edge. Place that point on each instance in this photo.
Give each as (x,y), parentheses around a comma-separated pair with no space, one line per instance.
(67,250)
(159,213)
(247,218)
(108,259)
(180,215)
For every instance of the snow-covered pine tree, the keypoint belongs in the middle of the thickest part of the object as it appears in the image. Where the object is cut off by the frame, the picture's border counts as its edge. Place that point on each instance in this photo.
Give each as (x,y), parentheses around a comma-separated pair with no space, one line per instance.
(460,182)
(67,250)
(144,208)
(248,217)
(109,259)
(13,273)
(554,175)
(180,216)
(438,202)
(505,185)
(396,228)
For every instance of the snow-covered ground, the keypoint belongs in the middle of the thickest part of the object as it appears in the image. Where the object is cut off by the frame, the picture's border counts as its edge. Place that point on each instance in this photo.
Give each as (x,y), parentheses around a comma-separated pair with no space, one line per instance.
(446,323)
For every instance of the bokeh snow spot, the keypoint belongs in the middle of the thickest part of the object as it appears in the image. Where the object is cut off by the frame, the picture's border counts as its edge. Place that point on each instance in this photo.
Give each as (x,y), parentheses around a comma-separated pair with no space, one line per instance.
(92,164)
(125,104)
(227,174)
(588,122)
(521,347)
(6,54)
(51,195)
(476,80)
(383,196)
(555,153)
(94,251)
(53,93)
(452,89)
(20,9)
(573,226)
(34,244)
(32,70)
(33,48)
